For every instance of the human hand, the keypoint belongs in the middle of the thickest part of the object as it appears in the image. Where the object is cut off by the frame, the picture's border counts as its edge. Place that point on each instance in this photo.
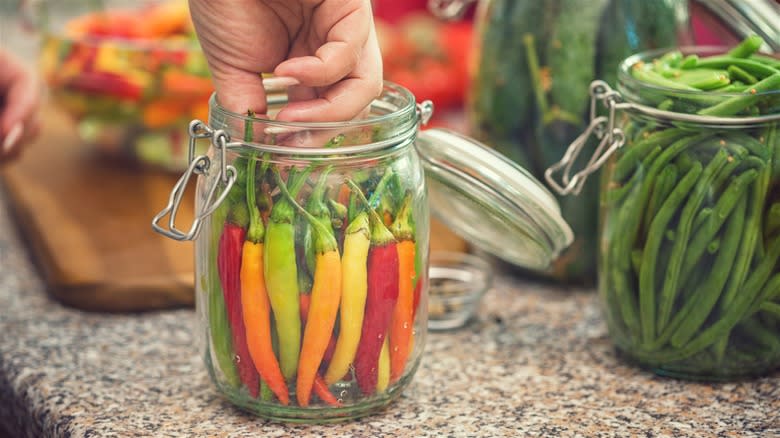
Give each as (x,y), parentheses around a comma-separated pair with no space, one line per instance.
(328,46)
(19,101)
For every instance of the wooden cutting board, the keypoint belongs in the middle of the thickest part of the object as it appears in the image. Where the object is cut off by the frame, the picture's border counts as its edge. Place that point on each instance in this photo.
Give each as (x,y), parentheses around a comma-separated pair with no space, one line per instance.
(88,222)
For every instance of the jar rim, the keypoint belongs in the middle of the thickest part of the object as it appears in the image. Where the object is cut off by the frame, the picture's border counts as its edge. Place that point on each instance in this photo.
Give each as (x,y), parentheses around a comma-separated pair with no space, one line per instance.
(386,87)
(624,75)
(394,107)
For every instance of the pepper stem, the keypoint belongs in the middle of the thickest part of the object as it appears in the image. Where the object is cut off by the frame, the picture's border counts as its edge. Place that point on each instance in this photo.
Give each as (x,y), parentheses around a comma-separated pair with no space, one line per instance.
(325,241)
(402,225)
(380,235)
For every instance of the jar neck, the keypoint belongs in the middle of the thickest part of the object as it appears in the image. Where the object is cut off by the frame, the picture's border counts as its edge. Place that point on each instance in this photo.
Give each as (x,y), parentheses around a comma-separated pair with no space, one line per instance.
(685,105)
(390,121)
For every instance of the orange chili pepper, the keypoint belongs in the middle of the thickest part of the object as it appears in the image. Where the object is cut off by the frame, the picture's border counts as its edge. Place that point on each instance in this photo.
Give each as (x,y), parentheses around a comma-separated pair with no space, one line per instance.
(254,298)
(403,314)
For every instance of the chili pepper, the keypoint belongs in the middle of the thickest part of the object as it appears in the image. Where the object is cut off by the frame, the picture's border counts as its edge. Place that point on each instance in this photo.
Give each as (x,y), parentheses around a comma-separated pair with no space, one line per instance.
(353,298)
(383,368)
(255,305)
(229,262)
(221,337)
(326,288)
(320,386)
(281,275)
(381,297)
(322,391)
(402,321)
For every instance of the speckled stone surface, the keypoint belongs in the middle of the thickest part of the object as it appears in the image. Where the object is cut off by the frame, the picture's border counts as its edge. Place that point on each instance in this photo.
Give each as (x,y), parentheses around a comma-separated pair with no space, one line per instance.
(536,362)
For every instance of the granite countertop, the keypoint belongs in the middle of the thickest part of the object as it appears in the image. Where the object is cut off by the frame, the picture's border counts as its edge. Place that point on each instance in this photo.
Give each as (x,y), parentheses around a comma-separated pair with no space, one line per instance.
(537,361)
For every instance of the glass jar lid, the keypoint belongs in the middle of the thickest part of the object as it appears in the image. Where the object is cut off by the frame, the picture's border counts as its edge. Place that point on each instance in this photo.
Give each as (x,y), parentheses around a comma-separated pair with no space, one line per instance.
(490,201)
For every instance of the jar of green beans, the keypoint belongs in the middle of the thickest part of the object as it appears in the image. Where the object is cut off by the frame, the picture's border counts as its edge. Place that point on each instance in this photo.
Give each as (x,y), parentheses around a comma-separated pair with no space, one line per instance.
(689,209)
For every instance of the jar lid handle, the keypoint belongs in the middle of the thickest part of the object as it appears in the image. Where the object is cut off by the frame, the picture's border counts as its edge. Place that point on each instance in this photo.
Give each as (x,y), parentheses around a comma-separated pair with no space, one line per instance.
(603,127)
(197,165)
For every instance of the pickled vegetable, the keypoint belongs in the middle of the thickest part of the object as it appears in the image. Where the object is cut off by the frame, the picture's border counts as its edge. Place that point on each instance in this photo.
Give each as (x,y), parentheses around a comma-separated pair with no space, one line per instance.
(529,97)
(131,78)
(330,346)
(690,271)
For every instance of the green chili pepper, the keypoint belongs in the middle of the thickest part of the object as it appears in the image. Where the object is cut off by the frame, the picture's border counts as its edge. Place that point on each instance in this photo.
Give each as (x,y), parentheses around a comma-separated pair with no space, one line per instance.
(281,274)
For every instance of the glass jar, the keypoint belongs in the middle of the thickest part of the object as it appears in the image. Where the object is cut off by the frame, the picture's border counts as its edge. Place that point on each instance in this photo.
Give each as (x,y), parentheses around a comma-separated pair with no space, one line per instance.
(129,74)
(533,61)
(690,223)
(311,245)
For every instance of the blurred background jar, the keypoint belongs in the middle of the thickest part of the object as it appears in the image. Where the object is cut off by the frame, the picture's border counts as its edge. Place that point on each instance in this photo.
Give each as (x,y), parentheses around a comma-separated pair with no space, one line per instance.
(533,60)
(130,74)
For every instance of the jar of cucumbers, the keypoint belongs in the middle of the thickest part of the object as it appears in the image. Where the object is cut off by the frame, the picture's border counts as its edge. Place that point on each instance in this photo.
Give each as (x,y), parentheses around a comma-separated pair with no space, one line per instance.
(690,209)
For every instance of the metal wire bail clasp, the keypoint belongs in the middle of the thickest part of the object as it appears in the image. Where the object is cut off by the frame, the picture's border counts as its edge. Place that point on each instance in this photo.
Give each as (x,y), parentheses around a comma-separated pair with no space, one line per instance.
(198,165)
(603,128)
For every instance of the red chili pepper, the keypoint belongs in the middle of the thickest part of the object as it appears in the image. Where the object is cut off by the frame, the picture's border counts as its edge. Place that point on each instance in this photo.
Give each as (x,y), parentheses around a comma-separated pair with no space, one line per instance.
(229,262)
(110,84)
(381,297)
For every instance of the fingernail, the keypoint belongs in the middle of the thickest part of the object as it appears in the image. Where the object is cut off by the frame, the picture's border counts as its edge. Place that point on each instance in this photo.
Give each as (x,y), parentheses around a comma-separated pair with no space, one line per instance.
(283,129)
(13,136)
(280,82)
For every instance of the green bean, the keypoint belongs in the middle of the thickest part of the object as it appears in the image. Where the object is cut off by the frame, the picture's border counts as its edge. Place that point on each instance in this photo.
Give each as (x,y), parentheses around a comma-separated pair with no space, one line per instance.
(690,61)
(770,307)
(751,144)
(655,235)
(736,104)
(753,228)
(664,185)
(632,208)
(695,311)
(715,332)
(653,78)
(703,78)
(768,60)
(738,74)
(635,153)
(773,144)
(617,275)
(734,87)
(757,69)
(760,334)
(770,292)
(636,259)
(714,246)
(720,212)
(754,282)
(728,170)
(619,193)
(703,215)
(747,47)
(772,224)
(669,291)
(685,162)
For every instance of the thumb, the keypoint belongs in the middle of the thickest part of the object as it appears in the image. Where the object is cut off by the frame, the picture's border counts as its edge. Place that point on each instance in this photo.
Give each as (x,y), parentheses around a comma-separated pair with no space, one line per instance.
(239,91)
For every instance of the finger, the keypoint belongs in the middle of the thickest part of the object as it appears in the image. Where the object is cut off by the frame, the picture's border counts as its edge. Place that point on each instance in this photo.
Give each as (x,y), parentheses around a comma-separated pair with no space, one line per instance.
(347,98)
(239,91)
(347,27)
(10,144)
(22,95)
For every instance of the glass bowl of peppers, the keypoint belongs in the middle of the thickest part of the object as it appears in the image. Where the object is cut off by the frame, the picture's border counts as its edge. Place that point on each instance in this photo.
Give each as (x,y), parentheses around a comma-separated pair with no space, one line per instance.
(129,73)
